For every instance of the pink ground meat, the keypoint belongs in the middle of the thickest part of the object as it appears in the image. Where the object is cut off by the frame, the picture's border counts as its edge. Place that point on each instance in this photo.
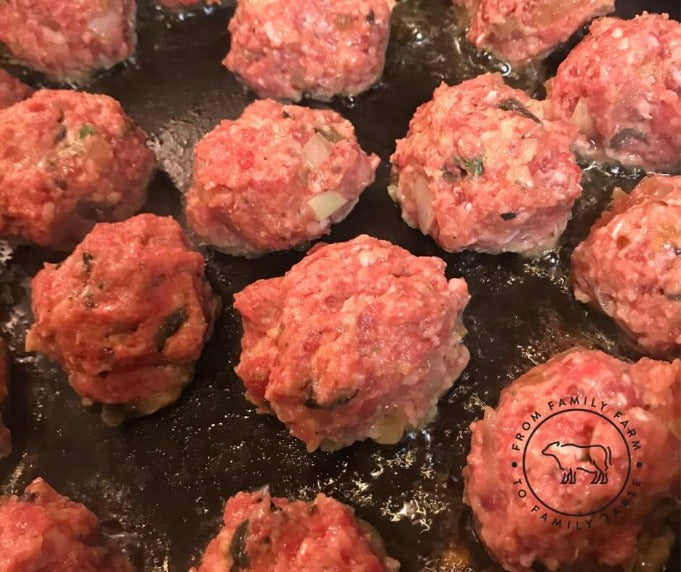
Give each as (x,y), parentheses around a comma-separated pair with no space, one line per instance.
(276,177)
(622,87)
(520,31)
(42,531)
(68,39)
(358,340)
(320,48)
(67,160)
(646,394)
(5,437)
(12,90)
(630,264)
(262,533)
(482,168)
(126,315)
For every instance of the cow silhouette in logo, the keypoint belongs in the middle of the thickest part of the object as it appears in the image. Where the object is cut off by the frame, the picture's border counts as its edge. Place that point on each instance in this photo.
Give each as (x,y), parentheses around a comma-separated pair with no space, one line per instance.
(592,459)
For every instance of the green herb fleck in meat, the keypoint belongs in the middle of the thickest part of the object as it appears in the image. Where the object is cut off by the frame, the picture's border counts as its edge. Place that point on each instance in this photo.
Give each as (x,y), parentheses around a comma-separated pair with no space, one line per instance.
(473,166)
(237,548)
(509,215)
(170,326)
(86,131)
(371,17)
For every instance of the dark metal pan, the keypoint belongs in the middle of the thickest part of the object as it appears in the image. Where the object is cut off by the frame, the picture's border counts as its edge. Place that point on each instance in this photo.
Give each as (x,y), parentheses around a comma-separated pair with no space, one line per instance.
(159,483)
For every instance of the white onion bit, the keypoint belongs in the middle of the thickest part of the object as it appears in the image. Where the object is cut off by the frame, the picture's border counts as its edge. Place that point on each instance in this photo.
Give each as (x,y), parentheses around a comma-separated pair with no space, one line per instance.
(581,117)
(325,204)
(316,151)
(424,203)
(105,24)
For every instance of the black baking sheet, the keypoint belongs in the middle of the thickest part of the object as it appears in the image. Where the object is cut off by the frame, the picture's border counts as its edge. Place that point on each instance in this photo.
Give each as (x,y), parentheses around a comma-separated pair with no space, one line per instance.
(159,483)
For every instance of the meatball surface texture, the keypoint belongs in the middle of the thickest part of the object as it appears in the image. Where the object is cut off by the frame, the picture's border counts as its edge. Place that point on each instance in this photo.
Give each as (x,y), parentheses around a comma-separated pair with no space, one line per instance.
(68,39)
(68,160)
(621,87)
(358,340)
(482,168)
(126,315)
(520,31)
(594,445)
(262,533)
(275,178)
(42,531)
(320,48)
(12,90)
(630,264)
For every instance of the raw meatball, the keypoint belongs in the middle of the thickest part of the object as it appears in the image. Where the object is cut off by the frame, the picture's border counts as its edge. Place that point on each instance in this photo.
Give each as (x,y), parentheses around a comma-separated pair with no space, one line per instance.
(278,176)
(621,422)
(622,87)
(482,169)
(11,90)
(127,314)
(68,39)
(519,31)
(5,437)
(320,48)
(68,160)
(630,264)
(43,531)
(358,340)
(266,534)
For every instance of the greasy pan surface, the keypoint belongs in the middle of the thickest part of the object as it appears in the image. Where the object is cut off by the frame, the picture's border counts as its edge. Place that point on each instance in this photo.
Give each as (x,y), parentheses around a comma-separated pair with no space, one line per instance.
(159,483)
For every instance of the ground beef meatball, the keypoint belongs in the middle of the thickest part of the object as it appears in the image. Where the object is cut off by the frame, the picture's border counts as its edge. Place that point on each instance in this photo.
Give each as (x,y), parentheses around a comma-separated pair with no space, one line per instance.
(265,534)
(276,177)
(630,264)
(12,90)
(622,87)
(68,39)
(5,437)
(127,314)
(580,454)
(519,31)
(67,160)
(482,169)
(320,48)
(358,340)
(42,531)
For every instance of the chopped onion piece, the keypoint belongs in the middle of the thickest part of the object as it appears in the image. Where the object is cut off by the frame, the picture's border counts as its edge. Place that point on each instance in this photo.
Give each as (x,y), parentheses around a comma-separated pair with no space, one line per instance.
(390,429)
(618,194)
(424,203)
(582,118)
(325,204)
(105,24)
(317,150)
